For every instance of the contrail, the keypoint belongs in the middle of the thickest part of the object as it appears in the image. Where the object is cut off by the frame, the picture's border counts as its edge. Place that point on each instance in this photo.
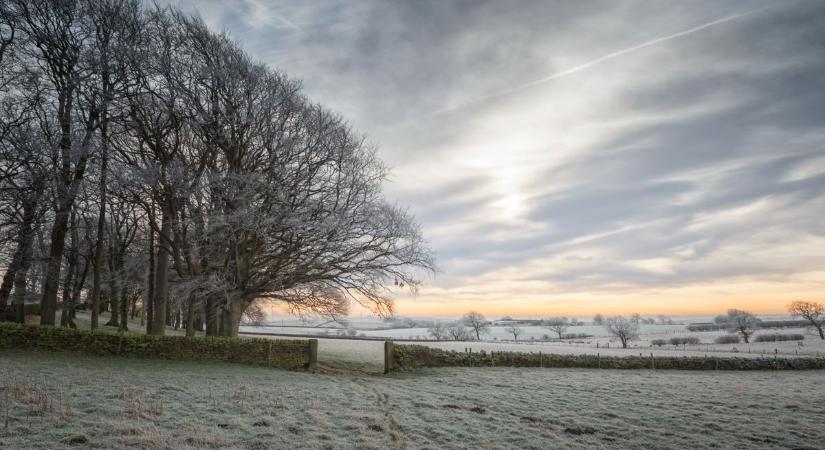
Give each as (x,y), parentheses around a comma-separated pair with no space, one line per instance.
(596,61)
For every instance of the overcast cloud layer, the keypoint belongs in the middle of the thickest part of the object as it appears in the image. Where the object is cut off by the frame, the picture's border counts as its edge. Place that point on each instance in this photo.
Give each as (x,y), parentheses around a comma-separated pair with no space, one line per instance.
(577,156)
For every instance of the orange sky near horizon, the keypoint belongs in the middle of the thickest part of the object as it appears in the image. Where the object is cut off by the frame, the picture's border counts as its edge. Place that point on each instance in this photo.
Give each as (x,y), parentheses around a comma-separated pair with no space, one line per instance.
(760,297)
(705,299)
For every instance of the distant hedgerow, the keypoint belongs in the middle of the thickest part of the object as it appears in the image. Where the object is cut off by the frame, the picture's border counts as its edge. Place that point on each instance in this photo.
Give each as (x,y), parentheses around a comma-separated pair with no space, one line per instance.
(727,339)
(779,337)
(658,342)
(689,340)
(577,336)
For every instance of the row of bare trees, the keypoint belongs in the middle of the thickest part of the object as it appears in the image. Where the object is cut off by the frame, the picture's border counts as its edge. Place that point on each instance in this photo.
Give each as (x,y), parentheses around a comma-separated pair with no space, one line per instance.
(150,165)
(742,323)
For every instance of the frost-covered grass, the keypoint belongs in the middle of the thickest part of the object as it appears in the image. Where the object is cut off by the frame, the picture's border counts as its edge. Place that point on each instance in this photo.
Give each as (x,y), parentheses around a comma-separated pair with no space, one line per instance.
(126,403)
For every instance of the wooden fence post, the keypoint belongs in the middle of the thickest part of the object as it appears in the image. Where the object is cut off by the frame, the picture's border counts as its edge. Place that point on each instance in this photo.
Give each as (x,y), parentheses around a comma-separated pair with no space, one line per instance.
(389,363)
(313,355)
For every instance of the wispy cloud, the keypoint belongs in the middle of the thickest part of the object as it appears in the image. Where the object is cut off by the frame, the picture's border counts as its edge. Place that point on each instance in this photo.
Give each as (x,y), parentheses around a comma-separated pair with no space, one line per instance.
(596,61)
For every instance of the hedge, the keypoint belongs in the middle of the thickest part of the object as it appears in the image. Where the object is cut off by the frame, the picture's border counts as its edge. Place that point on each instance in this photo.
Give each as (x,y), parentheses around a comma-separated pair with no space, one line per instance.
(281,353)
(762,324)
(688,340)
(727,339)
(779,337)
(405,357)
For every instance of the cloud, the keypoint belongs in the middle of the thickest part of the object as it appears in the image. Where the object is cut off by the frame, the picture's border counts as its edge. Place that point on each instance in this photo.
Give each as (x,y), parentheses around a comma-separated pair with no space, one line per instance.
(686,155)
(599,60)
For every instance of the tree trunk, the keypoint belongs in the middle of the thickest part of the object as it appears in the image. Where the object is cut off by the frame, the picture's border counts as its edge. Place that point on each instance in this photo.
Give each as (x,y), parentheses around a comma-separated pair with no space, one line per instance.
(133,307)
(821,333)
(234,313)
(159,314)
(222,320)
(48,301)
(212,316)
(112,291)
(149,298)
(24,249)
(20,295)
(78,288)
(98,263)
(67,292)
(71,272)
(124,303)
(8,282)
(190,316)
(199,319)
(101,220)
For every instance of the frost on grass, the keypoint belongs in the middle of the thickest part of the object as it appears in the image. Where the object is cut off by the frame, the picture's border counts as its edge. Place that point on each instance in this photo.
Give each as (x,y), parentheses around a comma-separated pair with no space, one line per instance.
(62,400)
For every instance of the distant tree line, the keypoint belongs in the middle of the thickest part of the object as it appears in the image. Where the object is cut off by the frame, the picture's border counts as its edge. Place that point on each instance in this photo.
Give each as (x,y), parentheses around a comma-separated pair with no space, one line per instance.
(742,324)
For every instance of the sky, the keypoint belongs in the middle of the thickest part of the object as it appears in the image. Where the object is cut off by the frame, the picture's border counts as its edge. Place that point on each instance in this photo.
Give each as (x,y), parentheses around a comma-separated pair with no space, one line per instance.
(575,157)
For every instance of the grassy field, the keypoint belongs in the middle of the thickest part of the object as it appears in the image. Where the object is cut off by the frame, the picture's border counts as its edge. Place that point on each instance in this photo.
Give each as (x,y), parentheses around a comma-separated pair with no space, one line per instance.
(71,401)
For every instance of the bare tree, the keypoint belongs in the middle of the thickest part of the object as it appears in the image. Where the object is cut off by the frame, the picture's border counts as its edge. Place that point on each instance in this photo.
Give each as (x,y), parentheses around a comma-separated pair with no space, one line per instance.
(813,312)
(254,315)
(24,181)
(742,322)
(458,332)
(476,322)
(624,329)
(515,330)
(438,330)
(557,325)
(598,319)
(116,24)
(60,41)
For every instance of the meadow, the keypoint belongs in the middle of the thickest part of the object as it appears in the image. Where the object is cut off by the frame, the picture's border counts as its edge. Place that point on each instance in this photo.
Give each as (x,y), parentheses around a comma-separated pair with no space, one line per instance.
(65,401)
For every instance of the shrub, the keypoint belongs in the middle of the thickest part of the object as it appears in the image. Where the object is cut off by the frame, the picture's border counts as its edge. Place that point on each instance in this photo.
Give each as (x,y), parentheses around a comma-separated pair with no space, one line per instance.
(779,337)
(658,342)
(689,340)
(727,339)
